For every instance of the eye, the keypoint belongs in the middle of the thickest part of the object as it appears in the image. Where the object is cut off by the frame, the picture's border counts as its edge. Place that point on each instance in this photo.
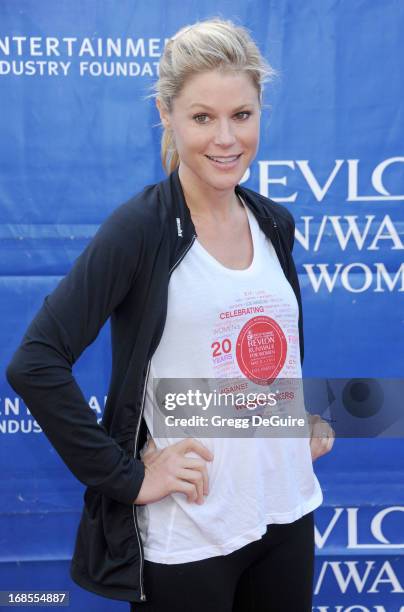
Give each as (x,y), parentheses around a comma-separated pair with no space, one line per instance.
(201,118)
(243,115)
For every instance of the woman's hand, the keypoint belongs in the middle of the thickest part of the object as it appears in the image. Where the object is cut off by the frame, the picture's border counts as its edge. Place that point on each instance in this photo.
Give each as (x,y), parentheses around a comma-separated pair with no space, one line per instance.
(322,436)
(168,470)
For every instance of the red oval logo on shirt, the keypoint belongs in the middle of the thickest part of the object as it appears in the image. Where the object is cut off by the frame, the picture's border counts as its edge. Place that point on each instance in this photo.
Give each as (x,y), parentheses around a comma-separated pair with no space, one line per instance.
(261,350)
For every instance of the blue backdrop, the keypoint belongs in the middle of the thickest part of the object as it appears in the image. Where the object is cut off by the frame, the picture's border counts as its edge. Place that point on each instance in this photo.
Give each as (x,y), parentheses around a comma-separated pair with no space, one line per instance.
(77,138)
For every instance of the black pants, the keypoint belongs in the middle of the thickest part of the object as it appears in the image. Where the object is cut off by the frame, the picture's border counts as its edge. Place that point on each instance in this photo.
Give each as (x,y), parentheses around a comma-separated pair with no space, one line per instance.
(273,574)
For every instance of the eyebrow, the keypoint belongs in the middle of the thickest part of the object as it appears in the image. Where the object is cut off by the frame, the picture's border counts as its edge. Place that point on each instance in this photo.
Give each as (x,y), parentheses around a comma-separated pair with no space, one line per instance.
(201,105)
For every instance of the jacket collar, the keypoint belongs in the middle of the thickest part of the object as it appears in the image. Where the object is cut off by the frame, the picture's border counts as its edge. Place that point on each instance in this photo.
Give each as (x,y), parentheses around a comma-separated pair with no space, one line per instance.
(180,226)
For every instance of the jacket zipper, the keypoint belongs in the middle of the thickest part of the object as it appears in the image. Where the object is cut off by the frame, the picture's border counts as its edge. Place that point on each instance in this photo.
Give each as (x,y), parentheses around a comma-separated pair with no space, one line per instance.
(182,256)
(134,507)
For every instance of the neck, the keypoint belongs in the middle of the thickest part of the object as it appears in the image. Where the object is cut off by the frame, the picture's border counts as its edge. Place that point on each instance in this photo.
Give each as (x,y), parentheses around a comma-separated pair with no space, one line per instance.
(205,201)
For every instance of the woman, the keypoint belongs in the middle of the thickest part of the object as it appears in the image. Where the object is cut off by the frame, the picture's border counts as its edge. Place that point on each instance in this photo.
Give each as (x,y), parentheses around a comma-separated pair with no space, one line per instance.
(194,272)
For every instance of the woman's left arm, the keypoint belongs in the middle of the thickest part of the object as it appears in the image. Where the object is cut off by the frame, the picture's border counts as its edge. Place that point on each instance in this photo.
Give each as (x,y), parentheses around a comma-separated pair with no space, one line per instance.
(322,435)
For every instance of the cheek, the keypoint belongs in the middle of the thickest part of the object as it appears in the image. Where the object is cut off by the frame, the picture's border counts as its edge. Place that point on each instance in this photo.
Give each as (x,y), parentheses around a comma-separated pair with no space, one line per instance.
(191,141)
(255,132)
(253,137)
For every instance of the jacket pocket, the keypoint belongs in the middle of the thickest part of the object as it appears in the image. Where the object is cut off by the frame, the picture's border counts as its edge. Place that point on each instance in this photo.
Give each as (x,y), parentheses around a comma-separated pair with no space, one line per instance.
(106,548)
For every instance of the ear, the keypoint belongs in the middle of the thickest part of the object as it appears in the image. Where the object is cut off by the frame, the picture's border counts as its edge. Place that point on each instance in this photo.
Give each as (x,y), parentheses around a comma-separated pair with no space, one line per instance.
(164,115)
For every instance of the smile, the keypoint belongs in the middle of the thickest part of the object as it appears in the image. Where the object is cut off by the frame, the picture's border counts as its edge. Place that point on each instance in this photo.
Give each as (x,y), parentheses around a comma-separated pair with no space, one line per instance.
(224,160)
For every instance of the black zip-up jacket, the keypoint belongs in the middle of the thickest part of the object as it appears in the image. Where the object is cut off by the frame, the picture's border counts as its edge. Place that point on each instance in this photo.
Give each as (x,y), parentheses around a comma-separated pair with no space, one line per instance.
(123,273)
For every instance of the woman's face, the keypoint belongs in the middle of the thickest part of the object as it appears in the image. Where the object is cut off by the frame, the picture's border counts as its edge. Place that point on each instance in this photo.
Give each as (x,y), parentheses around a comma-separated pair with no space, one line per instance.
(215,122)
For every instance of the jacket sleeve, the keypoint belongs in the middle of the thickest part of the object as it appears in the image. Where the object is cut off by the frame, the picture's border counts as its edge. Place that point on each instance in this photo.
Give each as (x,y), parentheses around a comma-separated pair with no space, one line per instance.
(41,368)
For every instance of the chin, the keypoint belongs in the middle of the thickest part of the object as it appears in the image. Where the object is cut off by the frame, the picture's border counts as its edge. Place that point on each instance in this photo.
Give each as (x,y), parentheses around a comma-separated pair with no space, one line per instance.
(223,183)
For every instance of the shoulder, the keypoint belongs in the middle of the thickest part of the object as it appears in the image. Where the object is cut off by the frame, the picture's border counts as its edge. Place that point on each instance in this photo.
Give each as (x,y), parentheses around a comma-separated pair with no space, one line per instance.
(134,221)
(138,211)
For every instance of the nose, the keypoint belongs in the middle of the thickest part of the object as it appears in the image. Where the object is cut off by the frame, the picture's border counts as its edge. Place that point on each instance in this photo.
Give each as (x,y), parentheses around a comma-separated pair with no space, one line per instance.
(224,134)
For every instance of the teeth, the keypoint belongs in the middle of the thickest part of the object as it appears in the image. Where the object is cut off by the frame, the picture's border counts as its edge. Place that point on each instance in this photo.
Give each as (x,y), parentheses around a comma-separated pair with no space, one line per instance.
(224,160)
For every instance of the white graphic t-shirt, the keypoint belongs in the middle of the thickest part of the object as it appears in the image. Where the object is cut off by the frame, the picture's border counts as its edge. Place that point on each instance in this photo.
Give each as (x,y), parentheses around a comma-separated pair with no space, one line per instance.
(241,325)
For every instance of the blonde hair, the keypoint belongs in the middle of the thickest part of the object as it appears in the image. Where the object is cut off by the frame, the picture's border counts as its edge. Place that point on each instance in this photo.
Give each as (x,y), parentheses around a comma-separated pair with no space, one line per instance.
(206,45)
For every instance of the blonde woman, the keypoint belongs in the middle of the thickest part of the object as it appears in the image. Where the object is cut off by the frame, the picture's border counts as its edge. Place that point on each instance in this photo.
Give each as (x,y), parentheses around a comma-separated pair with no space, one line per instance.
(190,271)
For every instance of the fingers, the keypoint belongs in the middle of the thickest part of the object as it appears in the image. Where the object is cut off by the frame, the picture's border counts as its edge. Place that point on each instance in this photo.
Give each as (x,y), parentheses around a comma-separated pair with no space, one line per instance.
(192,470)
(195,477)
(330,440)
(190,444)
(189,489)
(322,441)
(197,464)
(168,470)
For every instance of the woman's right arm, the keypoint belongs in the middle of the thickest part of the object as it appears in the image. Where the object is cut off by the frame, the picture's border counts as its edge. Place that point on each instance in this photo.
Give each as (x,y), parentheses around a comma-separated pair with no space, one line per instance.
(40,370)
